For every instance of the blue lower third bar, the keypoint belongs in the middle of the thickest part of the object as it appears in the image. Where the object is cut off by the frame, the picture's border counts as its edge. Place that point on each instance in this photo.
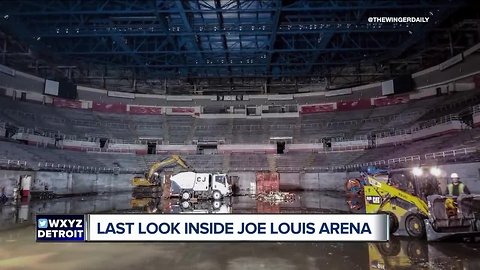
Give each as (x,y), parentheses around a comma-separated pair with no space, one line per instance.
(60,228)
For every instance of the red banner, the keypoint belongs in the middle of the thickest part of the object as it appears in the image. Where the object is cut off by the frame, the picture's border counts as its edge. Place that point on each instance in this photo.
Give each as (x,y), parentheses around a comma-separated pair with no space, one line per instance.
(65,103)
(109,107)
(327,107)
(183,110)
(353,105)
(386,101)
(134,109)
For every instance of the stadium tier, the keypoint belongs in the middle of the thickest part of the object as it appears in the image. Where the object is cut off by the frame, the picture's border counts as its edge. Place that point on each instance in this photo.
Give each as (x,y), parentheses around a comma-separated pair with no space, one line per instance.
(38,157)
(321,140)
(174,129)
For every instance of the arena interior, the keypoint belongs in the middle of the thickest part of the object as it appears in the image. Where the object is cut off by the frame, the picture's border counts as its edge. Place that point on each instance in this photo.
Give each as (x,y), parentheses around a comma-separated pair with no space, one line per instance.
(283,96)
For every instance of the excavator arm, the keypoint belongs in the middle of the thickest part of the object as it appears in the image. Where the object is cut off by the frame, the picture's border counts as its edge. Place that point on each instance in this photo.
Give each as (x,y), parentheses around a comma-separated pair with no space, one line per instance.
(158,166)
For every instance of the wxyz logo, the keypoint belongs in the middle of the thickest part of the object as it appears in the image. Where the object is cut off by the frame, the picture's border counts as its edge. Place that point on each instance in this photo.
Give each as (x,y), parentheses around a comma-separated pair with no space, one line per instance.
(65,223)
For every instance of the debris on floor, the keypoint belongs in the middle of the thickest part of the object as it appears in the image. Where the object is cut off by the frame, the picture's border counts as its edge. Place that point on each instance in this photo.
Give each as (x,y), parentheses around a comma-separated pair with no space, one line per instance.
(276,197)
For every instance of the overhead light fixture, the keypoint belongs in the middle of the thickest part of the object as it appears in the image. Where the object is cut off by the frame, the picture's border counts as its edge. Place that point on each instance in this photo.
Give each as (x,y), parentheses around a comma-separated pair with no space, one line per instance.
(435,171)
(417,171)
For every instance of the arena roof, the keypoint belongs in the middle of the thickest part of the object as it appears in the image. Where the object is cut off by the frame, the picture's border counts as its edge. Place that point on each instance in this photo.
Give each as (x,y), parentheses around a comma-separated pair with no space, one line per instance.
(224,40)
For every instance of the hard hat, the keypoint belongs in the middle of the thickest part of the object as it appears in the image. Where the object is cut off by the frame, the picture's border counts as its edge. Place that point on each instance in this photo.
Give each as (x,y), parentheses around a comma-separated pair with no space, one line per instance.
(454,175)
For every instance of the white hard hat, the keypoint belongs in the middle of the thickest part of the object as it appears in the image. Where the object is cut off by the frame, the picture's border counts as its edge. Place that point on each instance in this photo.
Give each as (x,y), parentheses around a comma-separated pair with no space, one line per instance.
(454,175)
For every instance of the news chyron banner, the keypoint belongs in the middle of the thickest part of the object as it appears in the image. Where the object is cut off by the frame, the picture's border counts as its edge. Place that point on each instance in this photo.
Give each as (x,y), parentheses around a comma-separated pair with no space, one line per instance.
(213,227)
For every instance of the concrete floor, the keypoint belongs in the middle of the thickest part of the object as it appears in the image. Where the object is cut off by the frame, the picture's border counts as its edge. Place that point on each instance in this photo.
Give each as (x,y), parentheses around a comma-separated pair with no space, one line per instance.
(19,251)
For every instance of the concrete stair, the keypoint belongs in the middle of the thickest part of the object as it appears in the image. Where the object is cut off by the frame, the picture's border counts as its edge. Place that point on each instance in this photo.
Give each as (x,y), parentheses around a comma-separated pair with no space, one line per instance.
(310,160)
(272,162)
(230,129)
(226,162)
(166,132)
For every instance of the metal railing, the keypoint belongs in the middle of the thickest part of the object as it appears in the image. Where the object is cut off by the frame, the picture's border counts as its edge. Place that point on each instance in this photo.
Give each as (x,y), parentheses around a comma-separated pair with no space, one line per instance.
(46,166)
(43,132)
(355,138)
(476,109)
(451,153)
(13,163)
(420,126)
(428,156)
(437,121)
(103,150)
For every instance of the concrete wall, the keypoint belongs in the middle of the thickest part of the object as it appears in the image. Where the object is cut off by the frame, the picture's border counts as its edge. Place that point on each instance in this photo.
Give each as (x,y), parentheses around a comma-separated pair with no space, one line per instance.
(114,183)
(469,174)
(9,180)
(75,183)
(300,181)
(476,119)
(22,81)
(335,181)
(323,201)
(321,181)
(244,180)
(68,183)
(290,181)
(10,215)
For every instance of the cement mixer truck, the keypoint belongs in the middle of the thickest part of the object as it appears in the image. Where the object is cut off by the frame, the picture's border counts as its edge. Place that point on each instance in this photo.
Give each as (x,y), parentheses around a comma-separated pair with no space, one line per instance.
(189,185)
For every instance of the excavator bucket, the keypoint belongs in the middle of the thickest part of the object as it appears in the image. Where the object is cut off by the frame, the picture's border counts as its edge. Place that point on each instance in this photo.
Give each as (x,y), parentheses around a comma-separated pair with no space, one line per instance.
(454,216)
(141,182)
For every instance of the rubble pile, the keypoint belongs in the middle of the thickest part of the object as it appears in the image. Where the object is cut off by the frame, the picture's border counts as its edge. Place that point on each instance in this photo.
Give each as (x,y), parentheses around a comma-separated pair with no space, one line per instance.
(276,197)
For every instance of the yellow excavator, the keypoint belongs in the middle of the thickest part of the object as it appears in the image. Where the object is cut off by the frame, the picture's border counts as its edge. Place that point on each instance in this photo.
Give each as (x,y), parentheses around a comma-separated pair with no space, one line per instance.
(419,212)
(153,179)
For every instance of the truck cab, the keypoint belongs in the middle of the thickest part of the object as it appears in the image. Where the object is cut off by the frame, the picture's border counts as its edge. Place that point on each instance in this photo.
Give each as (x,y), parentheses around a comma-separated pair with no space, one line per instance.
(221,182)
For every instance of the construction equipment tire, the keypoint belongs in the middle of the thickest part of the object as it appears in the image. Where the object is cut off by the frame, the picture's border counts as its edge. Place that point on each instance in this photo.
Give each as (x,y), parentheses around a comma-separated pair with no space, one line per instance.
(185,204)
(417,251)
(394,224)
(415,226)
(390,248)
(217,205)
(217,195)
(186,195)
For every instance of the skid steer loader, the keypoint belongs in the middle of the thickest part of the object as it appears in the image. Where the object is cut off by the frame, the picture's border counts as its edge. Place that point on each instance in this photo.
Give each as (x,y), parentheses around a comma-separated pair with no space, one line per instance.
(416,213)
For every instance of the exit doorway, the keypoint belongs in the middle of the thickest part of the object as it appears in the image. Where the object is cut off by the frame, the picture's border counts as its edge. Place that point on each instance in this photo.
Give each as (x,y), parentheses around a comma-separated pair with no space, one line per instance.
(152,148)
(280,147)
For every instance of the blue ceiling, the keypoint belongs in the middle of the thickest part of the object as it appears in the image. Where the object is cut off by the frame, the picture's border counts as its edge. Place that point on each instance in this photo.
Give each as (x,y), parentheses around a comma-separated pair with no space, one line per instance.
(220,38)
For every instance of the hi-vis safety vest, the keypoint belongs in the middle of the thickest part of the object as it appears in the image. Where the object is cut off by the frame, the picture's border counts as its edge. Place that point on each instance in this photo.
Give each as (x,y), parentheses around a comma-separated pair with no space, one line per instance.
(460,189)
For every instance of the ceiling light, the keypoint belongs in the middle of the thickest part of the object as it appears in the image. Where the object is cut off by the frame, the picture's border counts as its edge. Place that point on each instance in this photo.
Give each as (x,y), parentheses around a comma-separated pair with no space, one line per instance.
(417,171)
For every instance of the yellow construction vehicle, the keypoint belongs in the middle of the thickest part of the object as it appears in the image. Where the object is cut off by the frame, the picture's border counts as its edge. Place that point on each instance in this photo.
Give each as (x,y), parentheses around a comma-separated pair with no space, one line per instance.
(397,254)
(408,253)
(416,213)
(151,183)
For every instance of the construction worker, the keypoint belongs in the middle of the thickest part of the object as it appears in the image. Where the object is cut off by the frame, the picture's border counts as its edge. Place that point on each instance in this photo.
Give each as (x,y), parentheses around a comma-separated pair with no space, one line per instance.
(456,188)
